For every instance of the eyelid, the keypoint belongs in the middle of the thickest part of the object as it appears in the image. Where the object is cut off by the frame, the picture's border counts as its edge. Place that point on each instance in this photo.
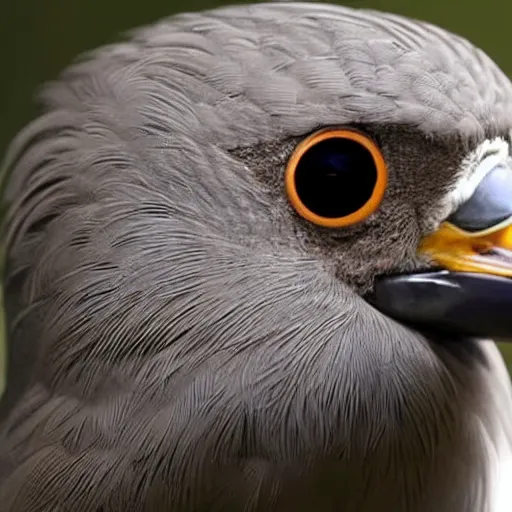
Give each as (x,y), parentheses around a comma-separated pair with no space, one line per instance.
(378,191)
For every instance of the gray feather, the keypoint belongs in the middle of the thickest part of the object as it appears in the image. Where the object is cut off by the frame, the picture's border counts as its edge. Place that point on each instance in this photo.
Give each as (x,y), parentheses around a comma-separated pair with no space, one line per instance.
(178,339)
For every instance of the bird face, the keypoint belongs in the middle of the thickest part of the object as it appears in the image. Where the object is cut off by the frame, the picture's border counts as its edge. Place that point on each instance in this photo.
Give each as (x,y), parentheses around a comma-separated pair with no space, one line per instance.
(364,200)
(219,234)
(383,240)
(366,219)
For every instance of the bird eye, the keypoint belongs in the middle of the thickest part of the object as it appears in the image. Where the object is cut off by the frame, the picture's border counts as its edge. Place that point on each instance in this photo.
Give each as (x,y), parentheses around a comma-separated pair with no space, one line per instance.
(336,178)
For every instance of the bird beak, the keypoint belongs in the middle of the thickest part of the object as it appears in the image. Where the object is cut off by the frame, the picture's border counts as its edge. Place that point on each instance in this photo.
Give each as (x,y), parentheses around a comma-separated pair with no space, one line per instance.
(472,295)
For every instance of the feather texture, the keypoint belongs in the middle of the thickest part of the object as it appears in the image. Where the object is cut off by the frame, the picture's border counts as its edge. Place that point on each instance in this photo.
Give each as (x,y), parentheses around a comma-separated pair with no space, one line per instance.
(175,344)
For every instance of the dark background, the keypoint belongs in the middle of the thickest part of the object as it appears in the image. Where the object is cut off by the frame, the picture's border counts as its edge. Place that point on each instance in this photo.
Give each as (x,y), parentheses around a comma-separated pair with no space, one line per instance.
(40,37)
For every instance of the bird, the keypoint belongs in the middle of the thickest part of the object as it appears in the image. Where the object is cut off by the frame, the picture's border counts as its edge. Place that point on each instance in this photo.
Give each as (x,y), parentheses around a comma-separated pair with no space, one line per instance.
(217,232)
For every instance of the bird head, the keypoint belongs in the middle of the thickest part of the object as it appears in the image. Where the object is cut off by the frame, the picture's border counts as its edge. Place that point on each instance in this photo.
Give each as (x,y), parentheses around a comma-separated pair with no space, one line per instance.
(234,235)
(375,150)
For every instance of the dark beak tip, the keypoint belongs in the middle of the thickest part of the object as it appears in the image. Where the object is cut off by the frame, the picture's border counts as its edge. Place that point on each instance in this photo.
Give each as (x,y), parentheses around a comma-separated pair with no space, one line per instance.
(468,304)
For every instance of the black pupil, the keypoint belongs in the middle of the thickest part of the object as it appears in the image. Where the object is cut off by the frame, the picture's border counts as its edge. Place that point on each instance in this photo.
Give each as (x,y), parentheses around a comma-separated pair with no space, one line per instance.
(336,177)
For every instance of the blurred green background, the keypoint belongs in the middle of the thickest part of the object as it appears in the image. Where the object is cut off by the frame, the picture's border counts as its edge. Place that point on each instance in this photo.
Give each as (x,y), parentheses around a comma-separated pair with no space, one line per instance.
(39,37)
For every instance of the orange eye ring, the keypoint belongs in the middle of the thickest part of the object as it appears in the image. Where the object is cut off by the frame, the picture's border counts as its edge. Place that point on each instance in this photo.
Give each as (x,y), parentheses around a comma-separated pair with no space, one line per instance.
(364,211)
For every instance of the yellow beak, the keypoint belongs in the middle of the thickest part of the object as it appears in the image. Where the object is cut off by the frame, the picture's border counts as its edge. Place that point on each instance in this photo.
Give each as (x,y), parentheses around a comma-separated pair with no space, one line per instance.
(486,252)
